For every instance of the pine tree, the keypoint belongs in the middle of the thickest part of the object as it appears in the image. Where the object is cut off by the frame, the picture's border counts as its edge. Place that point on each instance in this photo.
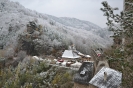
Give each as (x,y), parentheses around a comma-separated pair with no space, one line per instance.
(121,56)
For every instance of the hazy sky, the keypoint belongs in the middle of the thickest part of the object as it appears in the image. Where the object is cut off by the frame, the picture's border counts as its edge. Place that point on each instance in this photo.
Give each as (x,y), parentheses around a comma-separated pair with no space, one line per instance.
(88,10)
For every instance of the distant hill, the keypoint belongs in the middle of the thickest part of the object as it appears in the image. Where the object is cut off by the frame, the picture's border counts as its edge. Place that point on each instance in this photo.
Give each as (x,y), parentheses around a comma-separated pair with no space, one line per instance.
(58,30)
(75,23)
(81,24)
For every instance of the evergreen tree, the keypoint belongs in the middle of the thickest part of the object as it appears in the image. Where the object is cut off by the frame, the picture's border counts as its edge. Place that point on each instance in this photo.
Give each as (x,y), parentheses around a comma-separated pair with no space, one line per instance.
(120,57)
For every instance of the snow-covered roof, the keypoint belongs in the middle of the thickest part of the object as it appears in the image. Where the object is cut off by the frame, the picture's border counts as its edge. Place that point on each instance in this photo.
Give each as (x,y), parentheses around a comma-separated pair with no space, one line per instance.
(70,54)
(87,55)
(79,53)
(85,73)
(98,52)
(113,78)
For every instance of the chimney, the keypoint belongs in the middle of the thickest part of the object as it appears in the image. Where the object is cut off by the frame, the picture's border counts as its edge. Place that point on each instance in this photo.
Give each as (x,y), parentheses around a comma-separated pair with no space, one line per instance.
(105,76)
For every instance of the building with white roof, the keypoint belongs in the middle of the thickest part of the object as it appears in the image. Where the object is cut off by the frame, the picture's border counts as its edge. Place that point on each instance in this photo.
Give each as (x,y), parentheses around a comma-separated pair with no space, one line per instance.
(107,78)
(69,54)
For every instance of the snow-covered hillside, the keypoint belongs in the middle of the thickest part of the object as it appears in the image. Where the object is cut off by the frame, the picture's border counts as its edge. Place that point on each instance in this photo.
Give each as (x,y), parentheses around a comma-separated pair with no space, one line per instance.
(82,25)
(14,18)
(75,23)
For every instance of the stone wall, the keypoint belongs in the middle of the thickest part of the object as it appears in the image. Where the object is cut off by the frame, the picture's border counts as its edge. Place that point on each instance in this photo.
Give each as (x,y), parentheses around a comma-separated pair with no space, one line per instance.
(77,85)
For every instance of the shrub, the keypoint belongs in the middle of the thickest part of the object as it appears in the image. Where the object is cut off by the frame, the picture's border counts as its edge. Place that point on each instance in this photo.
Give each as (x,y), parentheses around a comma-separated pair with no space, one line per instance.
(9,54)
(21,55)
(2,53)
